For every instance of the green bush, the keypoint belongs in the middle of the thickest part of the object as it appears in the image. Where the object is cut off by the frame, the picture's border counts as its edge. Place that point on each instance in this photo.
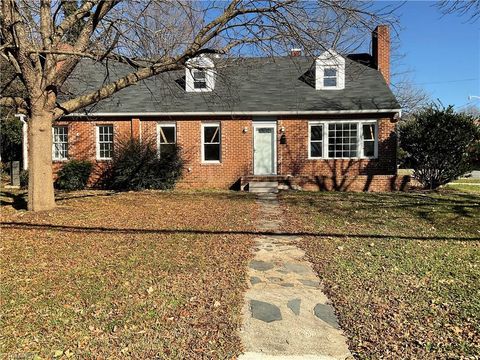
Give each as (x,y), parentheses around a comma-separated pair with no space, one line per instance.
(437,142)
(136,166)
(11,139)
(74,175)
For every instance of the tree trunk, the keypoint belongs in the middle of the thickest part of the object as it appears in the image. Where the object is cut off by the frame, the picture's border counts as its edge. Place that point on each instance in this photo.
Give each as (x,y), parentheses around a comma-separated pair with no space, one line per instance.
(40,179)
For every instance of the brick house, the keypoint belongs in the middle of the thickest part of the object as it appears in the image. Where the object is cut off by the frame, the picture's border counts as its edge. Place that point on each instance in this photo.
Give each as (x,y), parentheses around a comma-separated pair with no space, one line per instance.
(325,122)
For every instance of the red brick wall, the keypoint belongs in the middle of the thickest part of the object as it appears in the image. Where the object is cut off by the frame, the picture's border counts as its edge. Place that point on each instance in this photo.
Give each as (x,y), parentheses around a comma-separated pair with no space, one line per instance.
(237,152)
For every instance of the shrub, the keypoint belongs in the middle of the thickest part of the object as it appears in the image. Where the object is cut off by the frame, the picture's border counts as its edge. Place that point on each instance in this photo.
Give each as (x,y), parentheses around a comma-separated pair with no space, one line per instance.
(74,175)
(136,166)
(437,141)
(11,139)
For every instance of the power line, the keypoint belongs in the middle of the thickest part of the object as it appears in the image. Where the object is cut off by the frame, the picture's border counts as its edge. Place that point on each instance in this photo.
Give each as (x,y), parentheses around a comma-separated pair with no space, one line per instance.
(446,81)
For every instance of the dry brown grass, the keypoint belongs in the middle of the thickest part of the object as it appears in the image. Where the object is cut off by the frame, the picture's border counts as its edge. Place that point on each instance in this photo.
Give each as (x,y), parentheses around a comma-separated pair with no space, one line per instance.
(402,270)
(130,275)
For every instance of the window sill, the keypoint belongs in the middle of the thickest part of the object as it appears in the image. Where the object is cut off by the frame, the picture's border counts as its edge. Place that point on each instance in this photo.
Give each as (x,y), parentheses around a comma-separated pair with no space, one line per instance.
(60,160)
(344,158)
(211,163)
(103,159)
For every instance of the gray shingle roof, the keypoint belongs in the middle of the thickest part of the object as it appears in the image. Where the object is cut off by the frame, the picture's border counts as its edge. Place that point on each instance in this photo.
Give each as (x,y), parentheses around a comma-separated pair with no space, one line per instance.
(246,85)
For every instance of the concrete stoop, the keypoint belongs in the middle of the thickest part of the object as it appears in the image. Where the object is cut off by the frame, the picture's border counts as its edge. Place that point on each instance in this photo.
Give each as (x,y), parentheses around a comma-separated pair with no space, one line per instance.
(286,314)
(263,186)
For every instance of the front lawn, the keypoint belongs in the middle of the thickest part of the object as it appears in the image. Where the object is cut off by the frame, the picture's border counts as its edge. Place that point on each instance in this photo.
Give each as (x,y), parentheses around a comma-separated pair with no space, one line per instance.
(132,275)
(402,270)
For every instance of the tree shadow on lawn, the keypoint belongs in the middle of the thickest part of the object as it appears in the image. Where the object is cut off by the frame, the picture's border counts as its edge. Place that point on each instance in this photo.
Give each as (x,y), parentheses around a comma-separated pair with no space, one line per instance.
(417,204)
(18,201)
(86,229)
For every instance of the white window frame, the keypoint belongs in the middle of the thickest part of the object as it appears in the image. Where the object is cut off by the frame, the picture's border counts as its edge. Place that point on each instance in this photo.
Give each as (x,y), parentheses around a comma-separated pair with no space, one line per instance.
(360,139)
(53,143)
(331,77)
(211,124)
(165,124)
(97,142)
(310,124)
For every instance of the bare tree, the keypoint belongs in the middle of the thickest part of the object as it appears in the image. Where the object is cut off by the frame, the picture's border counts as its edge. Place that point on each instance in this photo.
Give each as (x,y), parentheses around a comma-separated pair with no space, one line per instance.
(410,97)
(469,8)
(44,41)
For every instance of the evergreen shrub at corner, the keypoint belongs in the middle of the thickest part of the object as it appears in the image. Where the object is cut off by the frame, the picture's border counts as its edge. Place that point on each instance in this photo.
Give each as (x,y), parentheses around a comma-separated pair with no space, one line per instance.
(438,144)
(74,175)
(136,165)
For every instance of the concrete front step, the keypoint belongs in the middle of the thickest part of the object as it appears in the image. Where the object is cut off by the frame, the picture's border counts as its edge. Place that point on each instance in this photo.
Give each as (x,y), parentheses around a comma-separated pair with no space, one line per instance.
(263,186)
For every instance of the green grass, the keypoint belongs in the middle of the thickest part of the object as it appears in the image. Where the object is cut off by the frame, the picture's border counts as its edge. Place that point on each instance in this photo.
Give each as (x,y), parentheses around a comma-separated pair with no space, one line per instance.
(467,180)
(144,289)
(464,187)
(402,270)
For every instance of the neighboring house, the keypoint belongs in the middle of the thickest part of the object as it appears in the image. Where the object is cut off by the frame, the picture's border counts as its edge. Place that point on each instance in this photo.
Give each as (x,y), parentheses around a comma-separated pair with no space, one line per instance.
(323,123)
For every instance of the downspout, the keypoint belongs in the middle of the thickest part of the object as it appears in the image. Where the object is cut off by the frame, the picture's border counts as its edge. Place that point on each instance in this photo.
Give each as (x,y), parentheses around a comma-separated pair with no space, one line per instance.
(24,139)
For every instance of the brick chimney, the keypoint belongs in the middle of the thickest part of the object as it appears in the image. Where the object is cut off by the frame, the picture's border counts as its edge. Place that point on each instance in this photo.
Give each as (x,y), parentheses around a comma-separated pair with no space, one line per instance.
(381,50)
(296,52)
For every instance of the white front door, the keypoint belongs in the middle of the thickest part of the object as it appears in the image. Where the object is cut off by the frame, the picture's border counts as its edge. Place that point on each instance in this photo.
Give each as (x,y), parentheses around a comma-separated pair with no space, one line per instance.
(264,149)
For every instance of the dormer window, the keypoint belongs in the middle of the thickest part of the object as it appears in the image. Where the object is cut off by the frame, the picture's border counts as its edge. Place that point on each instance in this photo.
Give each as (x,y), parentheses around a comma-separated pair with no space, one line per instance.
(330,71)
(199,79)
(200,75)
(330,77)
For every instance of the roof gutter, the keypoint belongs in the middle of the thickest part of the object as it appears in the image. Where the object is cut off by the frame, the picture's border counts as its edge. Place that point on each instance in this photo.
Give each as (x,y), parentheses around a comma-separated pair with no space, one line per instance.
(224,113)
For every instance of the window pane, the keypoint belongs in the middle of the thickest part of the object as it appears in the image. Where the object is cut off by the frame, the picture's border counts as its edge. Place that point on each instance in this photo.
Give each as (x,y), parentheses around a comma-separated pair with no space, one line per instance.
(369,131)
(330,82)
(342,140)
(332,72)
(316,149)
(211,152)
(316,132)
(199,75)
(167,149)
(369,148)
(211,134)
(167,134)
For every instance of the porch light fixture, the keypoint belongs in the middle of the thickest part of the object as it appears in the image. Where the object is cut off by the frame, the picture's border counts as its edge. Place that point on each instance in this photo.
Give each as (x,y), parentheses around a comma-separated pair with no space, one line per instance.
(282,129)
(245,130)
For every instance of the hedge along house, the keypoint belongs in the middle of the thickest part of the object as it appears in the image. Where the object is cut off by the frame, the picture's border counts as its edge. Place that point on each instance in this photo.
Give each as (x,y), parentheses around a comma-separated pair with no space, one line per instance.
(325,122)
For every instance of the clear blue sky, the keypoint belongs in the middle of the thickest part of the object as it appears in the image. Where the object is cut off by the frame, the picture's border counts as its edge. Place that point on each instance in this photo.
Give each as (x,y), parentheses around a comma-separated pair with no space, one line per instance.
(442,52)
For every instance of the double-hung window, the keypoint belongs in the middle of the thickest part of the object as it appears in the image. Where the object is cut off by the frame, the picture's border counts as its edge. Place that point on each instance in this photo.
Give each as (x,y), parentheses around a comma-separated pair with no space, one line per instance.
(369,136)
(330,77)
(211,142)
(199,79)
(316,140)
(104,142)
(60,142)
(342,139)
(166,139)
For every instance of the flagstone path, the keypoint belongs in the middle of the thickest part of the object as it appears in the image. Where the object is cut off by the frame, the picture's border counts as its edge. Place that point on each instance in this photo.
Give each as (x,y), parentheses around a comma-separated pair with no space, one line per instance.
(286,314)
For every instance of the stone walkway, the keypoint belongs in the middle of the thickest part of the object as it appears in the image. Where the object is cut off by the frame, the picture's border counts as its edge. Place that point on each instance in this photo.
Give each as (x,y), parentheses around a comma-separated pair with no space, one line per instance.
(286,314)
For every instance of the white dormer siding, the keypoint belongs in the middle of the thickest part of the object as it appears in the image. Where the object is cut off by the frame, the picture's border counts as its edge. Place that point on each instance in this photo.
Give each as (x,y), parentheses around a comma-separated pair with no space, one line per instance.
(200,74)
(330,71)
